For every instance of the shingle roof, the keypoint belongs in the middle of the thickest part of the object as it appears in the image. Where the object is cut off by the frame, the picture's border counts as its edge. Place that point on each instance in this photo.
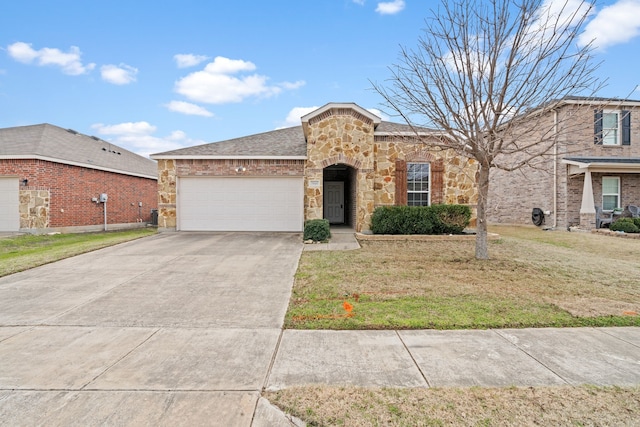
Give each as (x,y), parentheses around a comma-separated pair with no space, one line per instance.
(400,128)
(612,160)
(277,143)
(53,143)
(287,142)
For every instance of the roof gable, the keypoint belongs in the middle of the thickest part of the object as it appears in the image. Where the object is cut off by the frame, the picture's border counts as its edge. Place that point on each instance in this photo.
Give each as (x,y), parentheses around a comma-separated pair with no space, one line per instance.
(52,143)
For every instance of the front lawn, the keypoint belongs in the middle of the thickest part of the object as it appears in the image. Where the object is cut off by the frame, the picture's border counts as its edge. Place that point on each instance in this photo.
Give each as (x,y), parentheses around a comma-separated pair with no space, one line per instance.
(534,278)
(23,252)
(513,406)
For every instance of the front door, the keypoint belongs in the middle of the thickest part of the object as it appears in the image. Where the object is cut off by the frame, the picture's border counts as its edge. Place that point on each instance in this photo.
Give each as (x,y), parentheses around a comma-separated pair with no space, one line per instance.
(334,202)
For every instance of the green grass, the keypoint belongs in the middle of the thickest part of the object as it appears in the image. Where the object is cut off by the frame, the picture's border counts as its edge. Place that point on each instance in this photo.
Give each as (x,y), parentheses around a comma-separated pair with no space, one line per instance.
(467,312)
(534,279)
(28,251)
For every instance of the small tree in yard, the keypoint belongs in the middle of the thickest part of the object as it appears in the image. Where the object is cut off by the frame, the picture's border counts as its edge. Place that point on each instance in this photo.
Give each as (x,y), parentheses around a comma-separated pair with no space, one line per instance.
(484,73)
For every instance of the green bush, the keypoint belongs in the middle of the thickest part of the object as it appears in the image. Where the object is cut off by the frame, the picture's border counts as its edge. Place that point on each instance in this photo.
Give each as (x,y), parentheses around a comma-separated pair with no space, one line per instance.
(628,225)
(317,230)
(636,221)
(435,219)
(451,219)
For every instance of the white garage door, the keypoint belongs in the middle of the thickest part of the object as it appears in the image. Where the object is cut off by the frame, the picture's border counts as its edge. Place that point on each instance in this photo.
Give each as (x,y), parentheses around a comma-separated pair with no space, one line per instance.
(240,204)
(9,213)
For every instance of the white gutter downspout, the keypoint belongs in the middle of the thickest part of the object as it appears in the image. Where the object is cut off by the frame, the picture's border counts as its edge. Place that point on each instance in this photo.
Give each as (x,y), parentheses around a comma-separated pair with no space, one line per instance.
(555,169)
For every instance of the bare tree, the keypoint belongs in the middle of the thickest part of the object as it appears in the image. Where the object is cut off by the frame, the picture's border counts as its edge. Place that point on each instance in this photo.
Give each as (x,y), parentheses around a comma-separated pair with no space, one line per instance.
(483,72)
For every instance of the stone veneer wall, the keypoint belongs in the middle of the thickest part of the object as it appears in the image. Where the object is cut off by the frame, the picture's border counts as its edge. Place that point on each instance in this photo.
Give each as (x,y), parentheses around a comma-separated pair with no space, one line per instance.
(346,137)
(458,184)
(340,137)
(169,170)
(34,207)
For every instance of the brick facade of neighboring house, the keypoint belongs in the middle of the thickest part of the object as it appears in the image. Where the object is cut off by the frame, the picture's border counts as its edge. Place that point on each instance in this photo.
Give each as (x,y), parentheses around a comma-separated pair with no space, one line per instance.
(339,146)
(557,184)
(58,172)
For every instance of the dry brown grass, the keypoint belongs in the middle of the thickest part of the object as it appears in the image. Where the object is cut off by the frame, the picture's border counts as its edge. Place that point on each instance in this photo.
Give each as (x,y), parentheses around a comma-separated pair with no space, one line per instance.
(553,406)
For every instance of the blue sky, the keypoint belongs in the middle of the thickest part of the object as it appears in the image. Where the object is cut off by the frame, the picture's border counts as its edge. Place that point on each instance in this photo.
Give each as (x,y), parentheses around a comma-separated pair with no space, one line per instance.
(152,76)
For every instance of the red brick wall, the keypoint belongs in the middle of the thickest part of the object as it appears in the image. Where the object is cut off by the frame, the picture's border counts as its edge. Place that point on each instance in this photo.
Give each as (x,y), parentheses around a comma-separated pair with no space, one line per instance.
(73,187)
(206,167)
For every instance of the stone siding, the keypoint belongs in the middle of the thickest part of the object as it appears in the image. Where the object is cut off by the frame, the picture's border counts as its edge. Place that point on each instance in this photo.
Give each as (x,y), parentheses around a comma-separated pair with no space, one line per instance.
(337,136)
(340,137)
(34,208)
(70,190)
(347,138)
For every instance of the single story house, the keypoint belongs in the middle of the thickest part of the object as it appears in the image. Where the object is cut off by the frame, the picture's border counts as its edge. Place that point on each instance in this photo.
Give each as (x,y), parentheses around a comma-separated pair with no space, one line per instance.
(52,179)
(340,164)
(594,163)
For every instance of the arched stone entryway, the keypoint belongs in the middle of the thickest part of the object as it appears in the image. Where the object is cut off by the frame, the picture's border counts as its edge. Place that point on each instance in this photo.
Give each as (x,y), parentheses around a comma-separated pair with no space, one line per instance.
(340,194)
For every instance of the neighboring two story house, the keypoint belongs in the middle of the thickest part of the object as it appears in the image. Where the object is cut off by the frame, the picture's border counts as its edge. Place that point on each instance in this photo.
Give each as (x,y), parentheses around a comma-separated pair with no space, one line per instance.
(595,162)
(340,164)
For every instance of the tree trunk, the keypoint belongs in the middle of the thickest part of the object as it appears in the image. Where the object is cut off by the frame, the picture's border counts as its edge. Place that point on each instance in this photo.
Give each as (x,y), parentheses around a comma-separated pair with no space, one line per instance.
(482,250)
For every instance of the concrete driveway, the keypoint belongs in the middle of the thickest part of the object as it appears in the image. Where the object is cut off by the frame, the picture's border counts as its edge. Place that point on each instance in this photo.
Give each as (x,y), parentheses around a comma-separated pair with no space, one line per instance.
(174,329)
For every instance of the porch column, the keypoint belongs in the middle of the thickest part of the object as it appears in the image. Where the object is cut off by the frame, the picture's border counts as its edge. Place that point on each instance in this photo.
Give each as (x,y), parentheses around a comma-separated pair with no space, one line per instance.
(587,209)
(588,205)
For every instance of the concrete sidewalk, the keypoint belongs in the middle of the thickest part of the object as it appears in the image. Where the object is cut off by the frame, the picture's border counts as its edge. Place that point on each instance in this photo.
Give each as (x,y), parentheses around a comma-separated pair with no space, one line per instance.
(485,358)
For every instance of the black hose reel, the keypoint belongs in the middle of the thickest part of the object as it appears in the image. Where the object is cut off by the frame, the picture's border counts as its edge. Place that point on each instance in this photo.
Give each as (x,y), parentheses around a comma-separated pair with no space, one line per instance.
(537,216)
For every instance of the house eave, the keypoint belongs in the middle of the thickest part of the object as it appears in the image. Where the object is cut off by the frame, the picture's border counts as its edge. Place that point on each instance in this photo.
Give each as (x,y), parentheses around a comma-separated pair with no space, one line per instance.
(341,105)
(78,164)
(217,157)
(577,167)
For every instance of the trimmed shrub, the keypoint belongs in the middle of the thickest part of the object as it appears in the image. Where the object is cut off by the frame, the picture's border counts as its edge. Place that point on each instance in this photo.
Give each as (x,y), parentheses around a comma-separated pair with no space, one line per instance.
(317,230)
(625,224)
(435,219)
(636,221)
(451,219)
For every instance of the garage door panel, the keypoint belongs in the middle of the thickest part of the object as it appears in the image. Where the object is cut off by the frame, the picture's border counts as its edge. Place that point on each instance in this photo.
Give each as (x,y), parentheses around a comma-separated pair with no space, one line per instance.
(240,204)
(9,202)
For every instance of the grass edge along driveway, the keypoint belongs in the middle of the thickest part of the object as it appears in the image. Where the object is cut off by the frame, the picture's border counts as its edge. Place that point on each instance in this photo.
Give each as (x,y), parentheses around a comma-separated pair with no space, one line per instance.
(22,252)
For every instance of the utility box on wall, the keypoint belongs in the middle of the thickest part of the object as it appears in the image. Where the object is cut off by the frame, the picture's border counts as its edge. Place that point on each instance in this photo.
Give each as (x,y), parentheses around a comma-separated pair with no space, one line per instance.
(103,198)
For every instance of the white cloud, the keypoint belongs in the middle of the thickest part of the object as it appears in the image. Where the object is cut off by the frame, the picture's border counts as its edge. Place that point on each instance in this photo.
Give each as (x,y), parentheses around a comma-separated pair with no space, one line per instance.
(293,118)
(188,60)
(360,2)
(68,62)
(217,83)
(122,74)
(188,108)
(391,7)
(378,113)
(138,137)
(128,128)
(614,24)
(292,85)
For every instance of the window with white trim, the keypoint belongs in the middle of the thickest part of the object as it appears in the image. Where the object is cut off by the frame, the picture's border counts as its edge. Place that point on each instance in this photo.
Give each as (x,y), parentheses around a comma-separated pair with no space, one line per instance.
(611,128)
(610,193)
(418,184)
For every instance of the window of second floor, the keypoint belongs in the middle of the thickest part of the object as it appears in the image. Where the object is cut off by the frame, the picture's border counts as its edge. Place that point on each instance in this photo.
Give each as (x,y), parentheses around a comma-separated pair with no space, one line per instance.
(612,127)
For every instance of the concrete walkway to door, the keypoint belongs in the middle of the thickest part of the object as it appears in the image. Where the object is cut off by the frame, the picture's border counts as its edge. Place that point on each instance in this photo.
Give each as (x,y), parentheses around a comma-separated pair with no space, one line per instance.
(174,329)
